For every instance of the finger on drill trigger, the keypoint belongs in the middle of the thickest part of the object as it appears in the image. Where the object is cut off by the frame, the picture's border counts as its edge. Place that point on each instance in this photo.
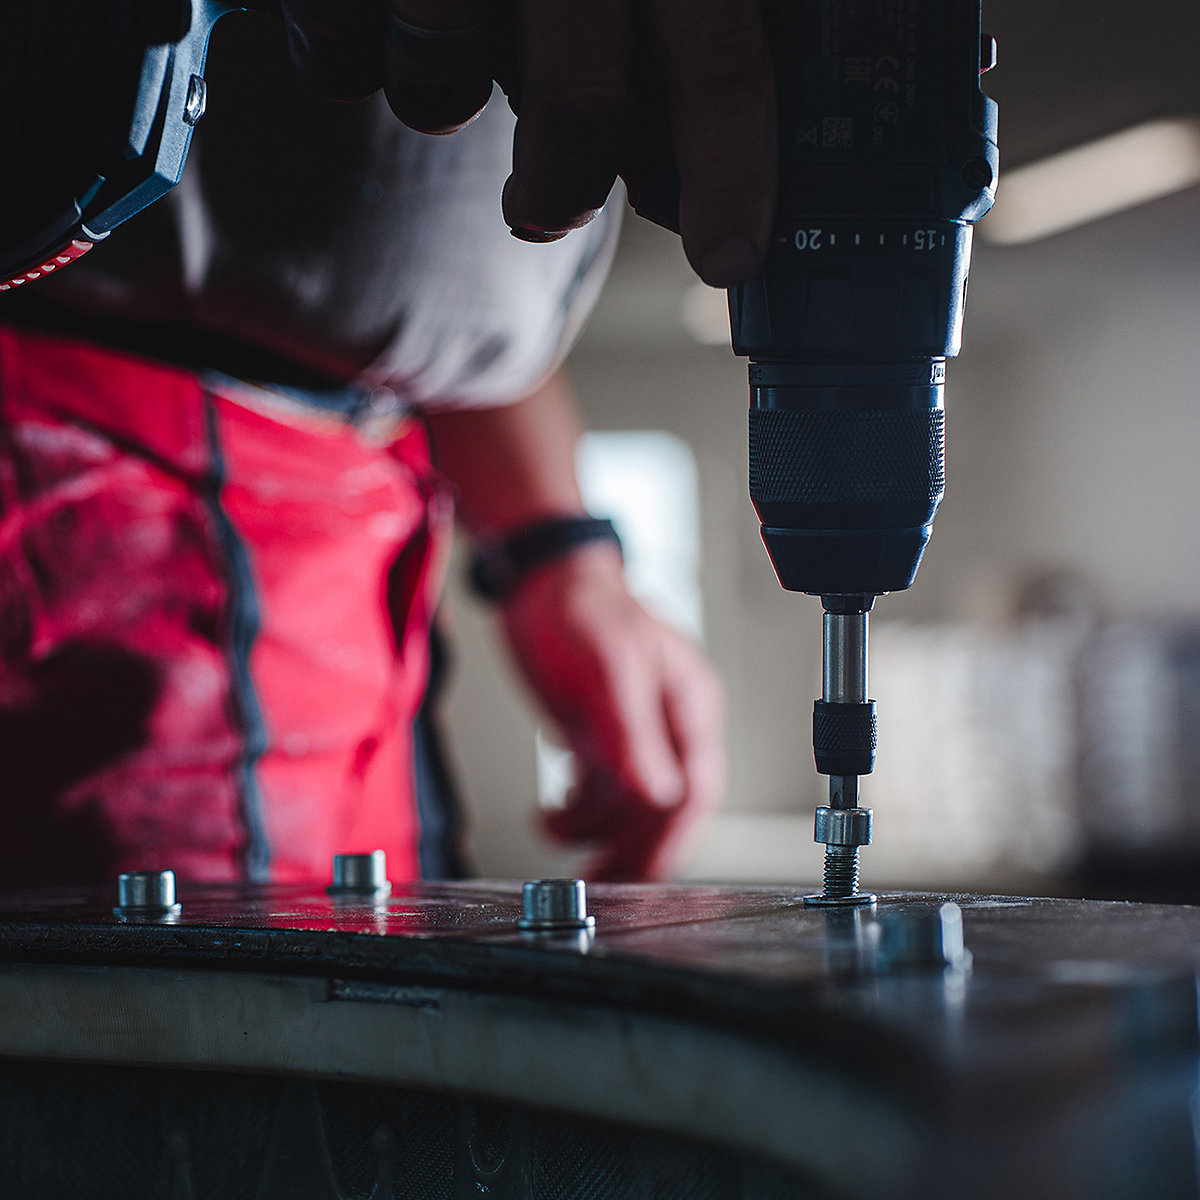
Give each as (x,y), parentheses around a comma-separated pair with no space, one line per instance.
(723,122)
(438,76)
(575,66)
(337,47)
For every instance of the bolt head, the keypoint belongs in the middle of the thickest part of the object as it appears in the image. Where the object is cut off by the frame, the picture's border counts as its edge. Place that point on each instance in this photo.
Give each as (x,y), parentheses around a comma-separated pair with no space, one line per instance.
(843,826)
(554,904)
(146,894)
(360,874)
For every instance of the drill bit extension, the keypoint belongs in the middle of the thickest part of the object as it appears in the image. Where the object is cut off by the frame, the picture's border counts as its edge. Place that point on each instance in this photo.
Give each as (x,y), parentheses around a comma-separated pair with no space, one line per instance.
(844,746)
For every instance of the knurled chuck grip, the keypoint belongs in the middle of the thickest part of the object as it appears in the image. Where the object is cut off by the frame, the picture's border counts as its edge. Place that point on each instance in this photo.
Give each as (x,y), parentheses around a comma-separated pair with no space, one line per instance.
(844,737)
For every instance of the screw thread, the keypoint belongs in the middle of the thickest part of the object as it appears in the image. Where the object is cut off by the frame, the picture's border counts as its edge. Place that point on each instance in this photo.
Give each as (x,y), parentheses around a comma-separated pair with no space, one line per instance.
(841,872)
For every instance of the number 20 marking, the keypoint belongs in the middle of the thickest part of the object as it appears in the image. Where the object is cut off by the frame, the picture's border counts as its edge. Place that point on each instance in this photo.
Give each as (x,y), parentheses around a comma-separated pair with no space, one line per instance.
(809,239)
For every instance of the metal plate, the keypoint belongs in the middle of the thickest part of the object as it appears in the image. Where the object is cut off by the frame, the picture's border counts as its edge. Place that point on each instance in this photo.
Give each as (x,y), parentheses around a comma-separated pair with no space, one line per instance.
(1067,1056)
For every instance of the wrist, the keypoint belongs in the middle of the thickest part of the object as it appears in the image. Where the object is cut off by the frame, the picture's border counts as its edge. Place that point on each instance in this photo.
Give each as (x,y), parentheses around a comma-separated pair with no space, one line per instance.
(501,563)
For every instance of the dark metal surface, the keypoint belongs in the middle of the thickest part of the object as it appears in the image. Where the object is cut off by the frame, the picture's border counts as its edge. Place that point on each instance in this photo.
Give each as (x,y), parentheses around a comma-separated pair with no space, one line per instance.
(1063,1062)
(759,935)
(749,958)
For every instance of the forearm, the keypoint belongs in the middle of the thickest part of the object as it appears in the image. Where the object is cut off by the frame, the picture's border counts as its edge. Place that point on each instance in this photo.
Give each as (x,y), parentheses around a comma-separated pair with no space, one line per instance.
(634,699)
(514,464)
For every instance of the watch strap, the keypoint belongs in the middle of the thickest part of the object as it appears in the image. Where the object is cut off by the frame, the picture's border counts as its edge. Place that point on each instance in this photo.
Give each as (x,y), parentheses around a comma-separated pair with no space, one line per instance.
(499,564)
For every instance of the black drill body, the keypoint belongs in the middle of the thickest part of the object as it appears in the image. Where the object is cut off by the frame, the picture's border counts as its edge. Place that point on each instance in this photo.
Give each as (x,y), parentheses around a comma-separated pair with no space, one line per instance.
(888,156)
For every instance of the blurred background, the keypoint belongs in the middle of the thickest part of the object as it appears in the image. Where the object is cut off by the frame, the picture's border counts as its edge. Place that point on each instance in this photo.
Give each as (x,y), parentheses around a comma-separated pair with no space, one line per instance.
(1039,686)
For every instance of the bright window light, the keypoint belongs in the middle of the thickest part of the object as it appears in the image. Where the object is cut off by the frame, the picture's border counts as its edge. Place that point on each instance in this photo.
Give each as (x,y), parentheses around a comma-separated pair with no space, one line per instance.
(1095,180)
(647,482)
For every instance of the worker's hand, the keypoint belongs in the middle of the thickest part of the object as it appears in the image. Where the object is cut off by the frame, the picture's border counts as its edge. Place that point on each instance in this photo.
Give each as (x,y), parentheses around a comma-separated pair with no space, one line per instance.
(580,108)
(637,703)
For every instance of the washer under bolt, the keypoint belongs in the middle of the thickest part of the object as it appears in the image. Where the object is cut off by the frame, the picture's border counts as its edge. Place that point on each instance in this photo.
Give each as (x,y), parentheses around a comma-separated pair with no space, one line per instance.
(554,904)
(147,894)
(360,875)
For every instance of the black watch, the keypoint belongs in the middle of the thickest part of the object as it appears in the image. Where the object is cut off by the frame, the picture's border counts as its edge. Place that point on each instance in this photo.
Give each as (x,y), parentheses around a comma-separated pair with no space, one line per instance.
(499,564)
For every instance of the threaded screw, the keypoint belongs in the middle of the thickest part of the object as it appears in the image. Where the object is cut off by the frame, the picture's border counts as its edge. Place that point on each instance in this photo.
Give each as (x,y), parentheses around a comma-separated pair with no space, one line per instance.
(841,872)
(841,878)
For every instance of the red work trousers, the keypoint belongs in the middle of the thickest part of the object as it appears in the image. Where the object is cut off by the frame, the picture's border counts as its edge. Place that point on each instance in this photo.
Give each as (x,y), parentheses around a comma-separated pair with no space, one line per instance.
(213,625)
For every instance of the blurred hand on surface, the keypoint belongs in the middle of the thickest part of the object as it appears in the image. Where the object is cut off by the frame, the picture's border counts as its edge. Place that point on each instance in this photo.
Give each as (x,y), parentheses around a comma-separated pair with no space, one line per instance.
(637,703)
(579,63)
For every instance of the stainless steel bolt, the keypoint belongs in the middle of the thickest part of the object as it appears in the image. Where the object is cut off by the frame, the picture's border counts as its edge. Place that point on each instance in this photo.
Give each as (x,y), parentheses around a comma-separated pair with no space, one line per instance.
(147,894)
(360,874)
(552,904)
(842,830)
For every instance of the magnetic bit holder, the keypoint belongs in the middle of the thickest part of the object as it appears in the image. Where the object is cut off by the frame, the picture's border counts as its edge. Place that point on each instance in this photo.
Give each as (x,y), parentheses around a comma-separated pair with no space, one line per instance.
(554,906)
(147,895)
(844,737)
(360,875)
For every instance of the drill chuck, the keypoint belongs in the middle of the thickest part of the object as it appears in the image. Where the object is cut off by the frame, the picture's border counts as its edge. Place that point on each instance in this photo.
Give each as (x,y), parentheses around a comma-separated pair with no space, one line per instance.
(847,468)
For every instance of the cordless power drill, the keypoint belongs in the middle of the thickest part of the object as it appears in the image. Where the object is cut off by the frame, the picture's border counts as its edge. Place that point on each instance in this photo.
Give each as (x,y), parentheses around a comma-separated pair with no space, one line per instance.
(888,155)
